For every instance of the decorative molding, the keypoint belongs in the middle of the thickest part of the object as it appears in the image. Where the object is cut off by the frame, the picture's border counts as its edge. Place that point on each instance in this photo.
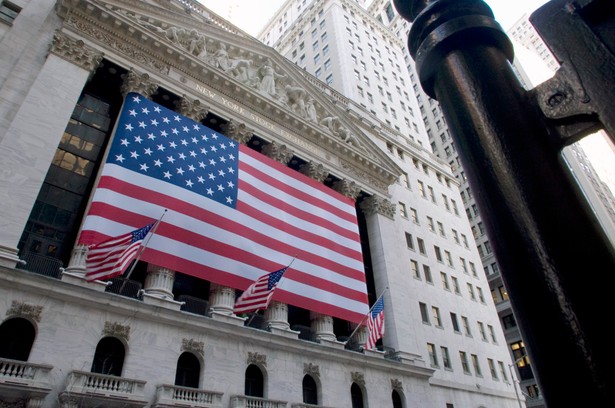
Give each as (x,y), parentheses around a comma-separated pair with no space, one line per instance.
(366,177)
(192,109)
(396,384)
(257,358)
(197,347)
(279,153)
(120,44)
(311,369)
(139,83)
(75,51)
(15,404)
(377,205)
(116,329)
(19,309)
(315,171)
(348,188)
(358,378)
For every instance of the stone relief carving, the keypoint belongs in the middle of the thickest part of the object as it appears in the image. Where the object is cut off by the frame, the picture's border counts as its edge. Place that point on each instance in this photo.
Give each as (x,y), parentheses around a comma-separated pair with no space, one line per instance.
(311,369)
(192,109)
(238,132)
(358,378)
(315,171)
(197,347)
(19,309)
(348,188)
(257,358)
(116,329)
(396,384)
(277,152)
(75,51)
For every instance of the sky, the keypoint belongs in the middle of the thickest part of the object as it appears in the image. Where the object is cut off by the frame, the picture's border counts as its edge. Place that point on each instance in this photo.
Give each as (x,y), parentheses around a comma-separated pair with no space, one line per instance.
(251,15)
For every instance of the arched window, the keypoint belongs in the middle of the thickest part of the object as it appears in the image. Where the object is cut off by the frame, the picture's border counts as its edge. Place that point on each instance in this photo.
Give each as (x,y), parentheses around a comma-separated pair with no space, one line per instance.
(188,371)
(16,339)
(356,395)
(254,382)
(109,357)
(310,390)
(396,400)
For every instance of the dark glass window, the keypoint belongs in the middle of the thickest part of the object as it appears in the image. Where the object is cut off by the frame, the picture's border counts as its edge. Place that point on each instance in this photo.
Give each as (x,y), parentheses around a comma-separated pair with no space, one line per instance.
(188,371)
(254,382)
(109,357)
(16,339)
(356,395)
(310,390)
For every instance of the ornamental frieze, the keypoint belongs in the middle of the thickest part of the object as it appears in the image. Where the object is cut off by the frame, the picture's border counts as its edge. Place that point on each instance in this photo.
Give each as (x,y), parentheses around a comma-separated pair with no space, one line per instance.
(197,347)
(115,329)
(358,377)
(19,309)
(257,358)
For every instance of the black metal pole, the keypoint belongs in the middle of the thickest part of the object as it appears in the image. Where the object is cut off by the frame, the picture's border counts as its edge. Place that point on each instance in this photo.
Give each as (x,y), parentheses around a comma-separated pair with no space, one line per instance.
(554,259)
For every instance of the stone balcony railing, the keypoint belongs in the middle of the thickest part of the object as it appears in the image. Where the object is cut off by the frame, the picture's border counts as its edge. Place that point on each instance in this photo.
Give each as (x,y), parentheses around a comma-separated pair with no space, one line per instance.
(24,379)
(174,395)
(242,401)
(105,390)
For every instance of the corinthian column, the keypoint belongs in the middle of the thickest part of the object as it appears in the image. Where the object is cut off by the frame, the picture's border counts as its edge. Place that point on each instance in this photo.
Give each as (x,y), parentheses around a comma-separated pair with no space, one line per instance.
(139,83)
(191,109)
(159,281)
(221,299)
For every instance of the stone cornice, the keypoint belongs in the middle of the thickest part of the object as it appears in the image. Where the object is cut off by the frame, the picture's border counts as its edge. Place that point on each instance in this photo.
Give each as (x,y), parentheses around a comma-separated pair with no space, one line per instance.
(377,205)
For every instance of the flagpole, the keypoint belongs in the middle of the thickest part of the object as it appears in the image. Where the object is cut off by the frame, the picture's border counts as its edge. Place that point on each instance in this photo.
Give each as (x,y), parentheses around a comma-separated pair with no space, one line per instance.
(254,313)
(364,317)
(149,236)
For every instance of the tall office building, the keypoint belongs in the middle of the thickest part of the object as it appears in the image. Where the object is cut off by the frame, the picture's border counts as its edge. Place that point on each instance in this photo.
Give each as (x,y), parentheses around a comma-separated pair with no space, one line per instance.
(356,53)
(109,109)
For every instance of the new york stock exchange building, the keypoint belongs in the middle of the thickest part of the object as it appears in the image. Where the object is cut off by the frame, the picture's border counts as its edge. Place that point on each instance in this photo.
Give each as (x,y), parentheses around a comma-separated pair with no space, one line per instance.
(115,113)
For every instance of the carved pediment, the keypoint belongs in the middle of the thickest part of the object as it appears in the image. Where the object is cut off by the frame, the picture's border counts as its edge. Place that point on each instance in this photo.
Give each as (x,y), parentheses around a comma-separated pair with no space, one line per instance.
(195,49)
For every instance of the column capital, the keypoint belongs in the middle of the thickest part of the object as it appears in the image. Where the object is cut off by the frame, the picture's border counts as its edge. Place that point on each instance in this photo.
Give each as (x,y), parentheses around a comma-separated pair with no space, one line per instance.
(75,51)
(191,109)
(140,83)
(221,299)
(277,152)
(277,315)
(237,131)
(348,188)
(159,281)
(378,205)
(315,171)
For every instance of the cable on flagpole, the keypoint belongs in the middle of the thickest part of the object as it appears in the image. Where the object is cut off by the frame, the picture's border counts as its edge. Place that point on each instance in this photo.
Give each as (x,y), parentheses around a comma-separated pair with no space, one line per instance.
(364,317)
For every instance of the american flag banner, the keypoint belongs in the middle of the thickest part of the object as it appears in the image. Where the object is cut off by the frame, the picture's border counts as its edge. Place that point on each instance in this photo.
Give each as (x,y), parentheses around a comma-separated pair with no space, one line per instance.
(111,257)
(258,295)
(375,324)
(233,215)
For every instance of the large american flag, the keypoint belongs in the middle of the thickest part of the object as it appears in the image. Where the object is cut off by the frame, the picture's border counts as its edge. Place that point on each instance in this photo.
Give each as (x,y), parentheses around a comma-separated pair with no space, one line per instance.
(233,213)
(375,324)
(258,295)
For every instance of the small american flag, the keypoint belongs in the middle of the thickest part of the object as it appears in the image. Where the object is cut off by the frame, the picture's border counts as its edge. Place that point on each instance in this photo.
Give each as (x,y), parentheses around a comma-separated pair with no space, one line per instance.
(111,257)
(258,295)
(375,324)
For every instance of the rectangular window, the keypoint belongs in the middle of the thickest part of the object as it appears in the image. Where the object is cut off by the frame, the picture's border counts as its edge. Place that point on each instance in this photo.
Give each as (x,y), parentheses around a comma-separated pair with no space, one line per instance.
(465,240)
(492,333)
(427,273)
(433,357)
(421,189)
(503,371)
(414,267)
(455,285)
(471,291)
(318,73)
(405,181)
(449,258)
(481,297)
(494,373)
(424,315)
(464,266)
(476,365)
(473,269)
(325,50)
(8,11)
(456,236)
(432,196)
(402,210)
(327,65)
(409,241)
(436,316)
(446,360)
(430,224)
(421,244)
(438,253)
(441,229)
(481,330)
(464,362)
(414,215)
(316,58)
(444,279)
(455,322)
(466,326)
